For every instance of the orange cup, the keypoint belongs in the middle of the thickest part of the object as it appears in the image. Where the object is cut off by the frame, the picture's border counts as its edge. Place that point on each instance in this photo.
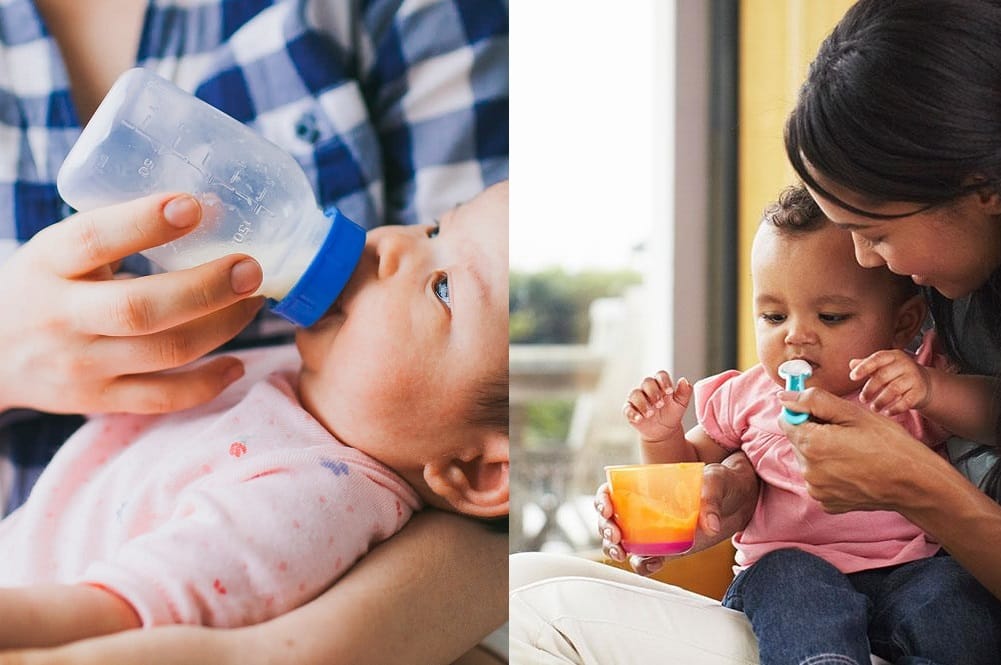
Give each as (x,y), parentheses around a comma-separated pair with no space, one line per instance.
(656,505)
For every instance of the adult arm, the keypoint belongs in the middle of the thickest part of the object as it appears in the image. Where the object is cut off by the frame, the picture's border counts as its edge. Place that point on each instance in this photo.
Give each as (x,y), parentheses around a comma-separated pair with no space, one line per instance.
(443,577)
(89,342)
(854,459)
(963,404)
(53,614)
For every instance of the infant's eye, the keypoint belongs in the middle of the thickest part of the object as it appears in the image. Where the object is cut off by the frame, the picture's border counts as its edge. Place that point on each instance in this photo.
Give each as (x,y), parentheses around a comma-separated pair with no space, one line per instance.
(773,318)
(834,318)
(433,231)
(440,287)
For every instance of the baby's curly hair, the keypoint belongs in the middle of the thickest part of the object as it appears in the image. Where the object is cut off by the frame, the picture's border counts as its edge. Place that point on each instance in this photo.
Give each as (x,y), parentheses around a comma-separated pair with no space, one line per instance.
(794,212)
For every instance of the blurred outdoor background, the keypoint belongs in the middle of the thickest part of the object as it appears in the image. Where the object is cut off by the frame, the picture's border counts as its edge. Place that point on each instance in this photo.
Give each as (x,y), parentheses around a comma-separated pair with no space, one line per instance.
(647,139)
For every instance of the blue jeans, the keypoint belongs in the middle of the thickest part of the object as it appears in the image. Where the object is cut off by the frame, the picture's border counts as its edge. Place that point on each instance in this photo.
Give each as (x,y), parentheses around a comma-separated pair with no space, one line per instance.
(804,611)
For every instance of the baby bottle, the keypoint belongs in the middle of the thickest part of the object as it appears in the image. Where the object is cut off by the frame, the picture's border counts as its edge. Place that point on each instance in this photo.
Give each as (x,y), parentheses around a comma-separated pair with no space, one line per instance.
(150,136)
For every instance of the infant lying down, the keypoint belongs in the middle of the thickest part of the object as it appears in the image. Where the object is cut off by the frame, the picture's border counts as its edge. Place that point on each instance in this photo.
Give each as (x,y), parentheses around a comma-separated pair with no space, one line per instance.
(241,509)
(224,515)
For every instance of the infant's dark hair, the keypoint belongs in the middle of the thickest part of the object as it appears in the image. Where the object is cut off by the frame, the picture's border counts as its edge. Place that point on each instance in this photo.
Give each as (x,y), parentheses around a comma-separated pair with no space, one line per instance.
(796,213)
(491,405)
(491,410)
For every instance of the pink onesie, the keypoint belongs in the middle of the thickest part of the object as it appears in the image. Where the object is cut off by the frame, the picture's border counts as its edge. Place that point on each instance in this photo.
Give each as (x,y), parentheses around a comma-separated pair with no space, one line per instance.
(741,410)
(224,515)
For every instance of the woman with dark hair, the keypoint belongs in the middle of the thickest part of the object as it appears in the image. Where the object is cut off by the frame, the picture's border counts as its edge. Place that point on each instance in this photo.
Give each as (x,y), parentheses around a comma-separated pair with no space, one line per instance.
(897,135)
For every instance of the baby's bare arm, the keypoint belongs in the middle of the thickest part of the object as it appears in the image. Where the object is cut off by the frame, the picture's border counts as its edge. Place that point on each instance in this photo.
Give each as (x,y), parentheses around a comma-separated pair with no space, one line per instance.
(53,614)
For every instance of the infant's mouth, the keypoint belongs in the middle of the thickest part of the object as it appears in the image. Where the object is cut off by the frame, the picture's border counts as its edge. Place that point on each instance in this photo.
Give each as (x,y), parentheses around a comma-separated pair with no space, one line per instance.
(813,365)
(334,311)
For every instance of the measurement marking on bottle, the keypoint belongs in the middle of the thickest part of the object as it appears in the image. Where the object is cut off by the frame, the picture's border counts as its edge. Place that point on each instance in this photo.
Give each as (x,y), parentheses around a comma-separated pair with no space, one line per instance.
(148,164)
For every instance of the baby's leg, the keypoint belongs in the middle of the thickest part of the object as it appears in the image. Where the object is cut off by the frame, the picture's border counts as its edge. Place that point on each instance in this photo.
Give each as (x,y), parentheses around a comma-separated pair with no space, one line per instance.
(802,609)
(934,609)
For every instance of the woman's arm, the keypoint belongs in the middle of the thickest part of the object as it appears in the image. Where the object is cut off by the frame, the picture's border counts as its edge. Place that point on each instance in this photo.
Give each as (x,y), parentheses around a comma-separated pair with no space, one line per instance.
(427,595)
(53,614)
(964,404)
(854,459)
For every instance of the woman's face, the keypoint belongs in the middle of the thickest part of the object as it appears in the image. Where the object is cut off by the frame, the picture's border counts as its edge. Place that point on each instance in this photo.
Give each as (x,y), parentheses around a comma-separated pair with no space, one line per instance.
(953,248)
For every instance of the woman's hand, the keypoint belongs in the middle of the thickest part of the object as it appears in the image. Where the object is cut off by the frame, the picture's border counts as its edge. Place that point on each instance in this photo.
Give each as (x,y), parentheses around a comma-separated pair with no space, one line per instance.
(851,457)
(77,340)
(729,494)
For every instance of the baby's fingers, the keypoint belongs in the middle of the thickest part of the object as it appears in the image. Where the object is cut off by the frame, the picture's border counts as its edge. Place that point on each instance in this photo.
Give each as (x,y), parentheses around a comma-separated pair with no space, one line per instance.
(884,380)
(642,401)
(859,370)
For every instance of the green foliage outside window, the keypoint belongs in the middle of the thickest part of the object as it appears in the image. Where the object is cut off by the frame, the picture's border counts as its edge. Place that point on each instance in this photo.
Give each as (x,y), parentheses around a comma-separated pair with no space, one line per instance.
(551,307)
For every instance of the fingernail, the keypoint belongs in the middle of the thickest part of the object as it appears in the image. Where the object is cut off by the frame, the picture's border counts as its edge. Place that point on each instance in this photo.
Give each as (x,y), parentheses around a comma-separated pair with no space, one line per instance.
(649,412)
(233,372)
(182,211)
(245,276)
(660,404)
(606,533)
(613,552)
(712,521)
(653,565)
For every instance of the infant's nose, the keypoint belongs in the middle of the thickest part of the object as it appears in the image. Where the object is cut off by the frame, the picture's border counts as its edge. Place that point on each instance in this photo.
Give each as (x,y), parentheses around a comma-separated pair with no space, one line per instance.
(799,334)
(390,248)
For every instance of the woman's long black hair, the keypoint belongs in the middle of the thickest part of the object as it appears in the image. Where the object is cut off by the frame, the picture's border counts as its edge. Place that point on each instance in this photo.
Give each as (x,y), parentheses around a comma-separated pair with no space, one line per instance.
(903,103)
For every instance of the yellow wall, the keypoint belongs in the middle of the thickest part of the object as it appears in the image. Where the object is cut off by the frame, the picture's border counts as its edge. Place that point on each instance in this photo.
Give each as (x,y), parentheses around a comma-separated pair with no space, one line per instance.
(778,39)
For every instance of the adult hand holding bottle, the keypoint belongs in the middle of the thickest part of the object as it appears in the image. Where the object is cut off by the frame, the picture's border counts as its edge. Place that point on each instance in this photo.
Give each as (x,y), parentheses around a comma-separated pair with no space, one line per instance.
(84,341)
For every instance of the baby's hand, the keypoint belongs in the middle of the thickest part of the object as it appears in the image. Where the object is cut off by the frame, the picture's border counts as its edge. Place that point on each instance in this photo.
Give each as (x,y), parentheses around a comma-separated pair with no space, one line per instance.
(656,407)
(894,382)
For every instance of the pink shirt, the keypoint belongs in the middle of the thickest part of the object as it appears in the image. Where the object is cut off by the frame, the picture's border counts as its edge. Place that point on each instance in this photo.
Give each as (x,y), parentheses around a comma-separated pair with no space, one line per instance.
(224,515)
(740,410)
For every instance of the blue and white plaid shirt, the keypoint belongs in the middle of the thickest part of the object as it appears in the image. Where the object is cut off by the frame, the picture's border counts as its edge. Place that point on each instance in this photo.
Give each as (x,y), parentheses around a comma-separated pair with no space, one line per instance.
(395,109)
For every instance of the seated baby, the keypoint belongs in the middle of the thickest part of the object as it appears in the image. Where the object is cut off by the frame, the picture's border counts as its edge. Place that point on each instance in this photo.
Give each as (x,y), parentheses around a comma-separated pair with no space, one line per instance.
(241,509)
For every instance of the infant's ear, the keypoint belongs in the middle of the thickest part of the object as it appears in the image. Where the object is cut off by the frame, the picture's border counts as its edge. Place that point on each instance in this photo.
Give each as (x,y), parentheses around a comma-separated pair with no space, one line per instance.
(475,482)
(910,315)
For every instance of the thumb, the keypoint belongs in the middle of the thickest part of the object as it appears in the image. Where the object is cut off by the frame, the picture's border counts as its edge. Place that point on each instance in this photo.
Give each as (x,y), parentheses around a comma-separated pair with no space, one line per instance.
(712,504)
(820,404)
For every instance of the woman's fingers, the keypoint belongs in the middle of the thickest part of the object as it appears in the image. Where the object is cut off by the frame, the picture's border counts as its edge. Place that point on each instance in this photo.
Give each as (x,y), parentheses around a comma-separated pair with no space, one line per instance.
(820,404)
(603,501)
(646,565)
(173,347)
(165,392)
(126,307)
(86,241)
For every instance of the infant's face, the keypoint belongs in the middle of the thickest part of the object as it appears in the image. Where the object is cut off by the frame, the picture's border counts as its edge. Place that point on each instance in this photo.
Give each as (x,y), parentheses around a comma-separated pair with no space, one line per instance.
(813,301)
(392,368)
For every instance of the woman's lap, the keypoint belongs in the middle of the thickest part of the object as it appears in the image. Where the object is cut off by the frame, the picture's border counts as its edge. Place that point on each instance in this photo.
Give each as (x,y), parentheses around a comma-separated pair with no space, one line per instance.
(570,610)
(567,609)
